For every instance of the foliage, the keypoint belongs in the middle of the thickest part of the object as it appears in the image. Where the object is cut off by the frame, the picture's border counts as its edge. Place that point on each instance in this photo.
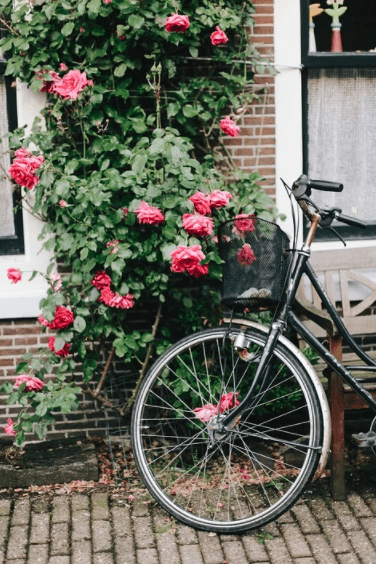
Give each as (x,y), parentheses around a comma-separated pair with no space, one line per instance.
(143,128)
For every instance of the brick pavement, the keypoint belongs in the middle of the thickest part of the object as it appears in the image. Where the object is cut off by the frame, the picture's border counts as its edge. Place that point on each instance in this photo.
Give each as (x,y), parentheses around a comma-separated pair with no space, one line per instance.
(102,526)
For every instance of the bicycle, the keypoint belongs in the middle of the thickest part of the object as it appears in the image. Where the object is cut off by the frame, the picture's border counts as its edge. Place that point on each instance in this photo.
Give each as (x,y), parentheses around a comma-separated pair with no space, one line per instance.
(231,424)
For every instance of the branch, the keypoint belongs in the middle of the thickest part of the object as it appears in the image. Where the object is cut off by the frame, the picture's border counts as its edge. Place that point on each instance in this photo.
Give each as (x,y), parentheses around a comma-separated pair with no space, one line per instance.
(104,373)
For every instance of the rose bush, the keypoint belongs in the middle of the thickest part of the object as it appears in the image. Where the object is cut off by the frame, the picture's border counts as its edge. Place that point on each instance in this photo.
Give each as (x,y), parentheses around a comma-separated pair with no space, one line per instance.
(130,180)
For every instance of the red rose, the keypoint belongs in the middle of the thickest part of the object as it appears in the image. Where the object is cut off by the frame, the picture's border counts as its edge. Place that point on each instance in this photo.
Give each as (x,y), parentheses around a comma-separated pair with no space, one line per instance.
(22,171)
(149,214)
(177,23)
(198,224)
(50,80)
(14,275)
(188,258)
(218,36)
(244,223)
(71,85)
(246,256)
(63,318)
(101,280)
(229,127)
(33,384)
(106,295)
(43,321)
(219,198)
(201,203)
(123,302)
(62,352)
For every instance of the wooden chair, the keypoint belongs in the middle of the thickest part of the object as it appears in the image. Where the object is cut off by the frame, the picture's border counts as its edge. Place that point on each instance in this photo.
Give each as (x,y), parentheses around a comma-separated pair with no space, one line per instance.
(343,273)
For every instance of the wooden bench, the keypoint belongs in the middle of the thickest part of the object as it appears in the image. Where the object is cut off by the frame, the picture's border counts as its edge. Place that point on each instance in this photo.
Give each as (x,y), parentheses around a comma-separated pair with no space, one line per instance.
(343,273)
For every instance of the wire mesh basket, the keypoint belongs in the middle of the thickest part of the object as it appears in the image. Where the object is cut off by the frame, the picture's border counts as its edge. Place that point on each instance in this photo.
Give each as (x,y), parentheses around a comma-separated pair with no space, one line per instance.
(255,262)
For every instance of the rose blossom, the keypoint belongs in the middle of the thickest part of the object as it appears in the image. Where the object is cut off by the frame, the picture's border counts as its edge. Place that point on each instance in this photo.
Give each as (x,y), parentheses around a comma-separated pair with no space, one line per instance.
(63,318)
(244,223)
(123,302)
(229,127)
(198,224)
(101,280)
(14,275)
(149,214)
(201,203)
(56,281)
(177,23)
(227,401)
(188,258)
(246,256)
(113,244)
(206,412)
(125,212)
(218,36)
(62,352)
(219,199)
(43,321)
(33,384)
(49,82)
(71,85)
(106,295)
(63,204)
(9,428)
(23,167)
(63,66)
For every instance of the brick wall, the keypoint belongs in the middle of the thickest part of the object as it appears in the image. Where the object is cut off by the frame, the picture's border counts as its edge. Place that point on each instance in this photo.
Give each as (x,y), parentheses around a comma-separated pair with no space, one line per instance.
(253,150)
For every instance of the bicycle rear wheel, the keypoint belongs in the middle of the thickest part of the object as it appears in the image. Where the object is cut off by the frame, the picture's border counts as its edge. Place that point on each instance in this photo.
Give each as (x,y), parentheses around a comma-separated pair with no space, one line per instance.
(249,476)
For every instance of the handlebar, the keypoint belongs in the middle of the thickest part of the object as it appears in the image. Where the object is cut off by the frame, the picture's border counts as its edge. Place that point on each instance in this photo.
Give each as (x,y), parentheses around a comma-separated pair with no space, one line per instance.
(302,186)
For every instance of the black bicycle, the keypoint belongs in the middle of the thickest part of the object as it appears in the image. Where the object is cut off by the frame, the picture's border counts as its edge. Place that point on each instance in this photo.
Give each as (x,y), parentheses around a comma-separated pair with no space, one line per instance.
(231,424)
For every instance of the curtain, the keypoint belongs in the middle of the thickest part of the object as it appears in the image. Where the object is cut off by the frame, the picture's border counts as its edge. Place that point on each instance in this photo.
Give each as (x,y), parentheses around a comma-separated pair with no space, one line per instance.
(7,228)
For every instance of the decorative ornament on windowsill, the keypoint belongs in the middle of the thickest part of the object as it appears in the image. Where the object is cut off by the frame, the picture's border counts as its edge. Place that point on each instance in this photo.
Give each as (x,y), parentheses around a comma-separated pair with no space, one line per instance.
(336,12)
(314,10)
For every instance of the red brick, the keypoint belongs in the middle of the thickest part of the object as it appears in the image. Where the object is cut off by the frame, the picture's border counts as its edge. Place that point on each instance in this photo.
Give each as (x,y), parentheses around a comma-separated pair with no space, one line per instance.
(11,352)
(6,361)
(20,330)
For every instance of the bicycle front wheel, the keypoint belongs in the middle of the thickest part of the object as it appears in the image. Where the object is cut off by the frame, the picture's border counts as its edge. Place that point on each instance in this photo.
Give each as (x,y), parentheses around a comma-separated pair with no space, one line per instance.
(248,476)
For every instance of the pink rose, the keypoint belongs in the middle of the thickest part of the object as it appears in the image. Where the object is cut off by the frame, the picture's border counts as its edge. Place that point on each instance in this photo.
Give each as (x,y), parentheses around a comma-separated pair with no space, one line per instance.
(82,29)
(63,318)
(206,412)
(43,321)
(188,258)
(123,302)
(71,85)
(106,295)
(229,127)
(101,280)
(227,401)
(63,66)
(201,203)
(198,224)
(56,281)
(33,384)
(125,212)
(113,244)
(177,23)
(62,352)
(219,198)
(218,36)
(244,223)
(49,81)
(63,204)
(9,428)
(246,256)
(22,171)
(14,275)
(149,214)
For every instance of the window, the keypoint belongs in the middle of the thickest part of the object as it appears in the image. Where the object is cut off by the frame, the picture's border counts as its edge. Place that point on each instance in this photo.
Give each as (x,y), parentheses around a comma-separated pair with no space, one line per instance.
(339,107)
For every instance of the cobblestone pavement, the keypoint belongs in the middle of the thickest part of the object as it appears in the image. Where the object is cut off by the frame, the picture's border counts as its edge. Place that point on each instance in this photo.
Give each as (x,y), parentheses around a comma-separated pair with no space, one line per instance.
(102,526)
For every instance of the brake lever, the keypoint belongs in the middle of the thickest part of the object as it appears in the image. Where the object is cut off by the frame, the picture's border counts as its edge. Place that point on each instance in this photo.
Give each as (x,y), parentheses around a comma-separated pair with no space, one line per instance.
(330,228)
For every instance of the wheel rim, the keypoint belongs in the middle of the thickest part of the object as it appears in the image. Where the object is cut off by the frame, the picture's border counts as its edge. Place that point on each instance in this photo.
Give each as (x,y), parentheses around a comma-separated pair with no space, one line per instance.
(253,472)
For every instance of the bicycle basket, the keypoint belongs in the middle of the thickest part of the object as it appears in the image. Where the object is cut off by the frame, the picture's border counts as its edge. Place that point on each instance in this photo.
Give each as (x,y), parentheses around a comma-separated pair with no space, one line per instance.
(255,262)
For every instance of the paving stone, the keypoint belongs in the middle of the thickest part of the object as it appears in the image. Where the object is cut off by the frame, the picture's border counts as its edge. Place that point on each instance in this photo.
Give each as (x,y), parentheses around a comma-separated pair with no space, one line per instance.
(168,550)
(140,508)
(362,546)
(143,532)
(40,528)
(286,518)
(103,558)
(124,550)
(306,519)
(59,538)
(210,548)
(17,542)
(147,556)
(190,554)
(60,509)
(99,506)
(5,506)
(336,537)
(304,561)
(59,560)
(102,540)
(21,512)
(295,541)
(348,559)
(278,552)
(321,550)
(359,507)
(344,516)
(321,510)
(81,552)
(271,529)
(254,549)
(235,553)
(369,525)
(41,505)
(4,523)
(186,535)
(38,554)
(81,525)
(18,561)
(80,502)
(121,521)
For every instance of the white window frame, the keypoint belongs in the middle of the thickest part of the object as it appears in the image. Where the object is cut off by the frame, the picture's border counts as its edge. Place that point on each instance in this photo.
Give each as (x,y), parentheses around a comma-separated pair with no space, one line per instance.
(21,300)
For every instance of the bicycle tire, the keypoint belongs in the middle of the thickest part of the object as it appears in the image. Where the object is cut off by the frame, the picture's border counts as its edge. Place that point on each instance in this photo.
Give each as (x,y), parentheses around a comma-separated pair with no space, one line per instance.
(252,475)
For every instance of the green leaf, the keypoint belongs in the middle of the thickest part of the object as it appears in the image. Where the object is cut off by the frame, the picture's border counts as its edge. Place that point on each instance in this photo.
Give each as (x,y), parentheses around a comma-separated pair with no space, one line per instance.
(120,70)
(79,324)
(94,6)
(59,343)
(67,29)
(139,163)
(157,146)
(189,111)
(193,51)
(136,21)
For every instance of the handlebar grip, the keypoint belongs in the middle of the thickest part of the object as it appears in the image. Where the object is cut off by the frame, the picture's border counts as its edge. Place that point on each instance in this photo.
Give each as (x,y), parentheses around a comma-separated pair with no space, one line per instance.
(351,221)
(326,186)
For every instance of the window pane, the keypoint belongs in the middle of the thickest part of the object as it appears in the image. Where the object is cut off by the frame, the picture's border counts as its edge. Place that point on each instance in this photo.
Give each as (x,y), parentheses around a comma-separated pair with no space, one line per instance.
(7,226)
(342,137)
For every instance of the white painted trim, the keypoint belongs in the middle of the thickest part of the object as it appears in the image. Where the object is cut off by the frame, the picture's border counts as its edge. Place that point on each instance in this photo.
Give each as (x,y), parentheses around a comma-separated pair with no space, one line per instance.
(22,299)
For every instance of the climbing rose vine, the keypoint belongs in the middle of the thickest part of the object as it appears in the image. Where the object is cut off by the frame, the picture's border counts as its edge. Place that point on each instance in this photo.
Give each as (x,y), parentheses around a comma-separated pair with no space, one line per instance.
(130,173)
